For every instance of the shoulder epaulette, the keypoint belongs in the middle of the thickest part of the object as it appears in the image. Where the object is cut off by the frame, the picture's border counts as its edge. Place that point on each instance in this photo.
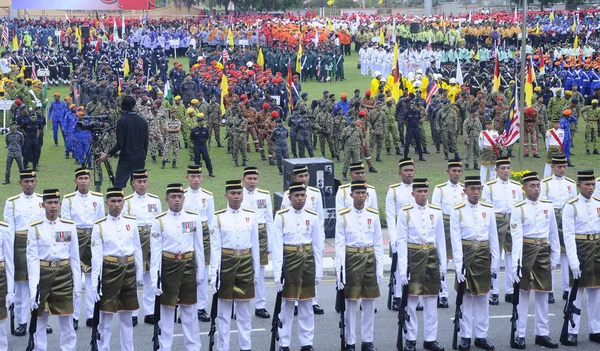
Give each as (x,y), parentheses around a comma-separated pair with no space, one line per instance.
(407,207)
(461,184)
(456,207)
(546,179)
(101,220)
(263,191)
(13,197)
(491,182)
(128,197)
(128,216)
(315,189)
(344,211)
(64,220)
(39,195)
(206,191)
(161,214)
(220,211)
(596,198)
(287,192)
(521,203)
(514,182)
(598,179)
(191,212)
(434,206)
(372,210)
(569,179)
(370,186)
(573,200)
(441,185)
(36,222)
(394,185)
(546,201)
(96,193)
(152,195)
(486,204)
(345,185)
(248,210)
(283,210)
(69,195)
(311,211)
(4,224)
(185,191)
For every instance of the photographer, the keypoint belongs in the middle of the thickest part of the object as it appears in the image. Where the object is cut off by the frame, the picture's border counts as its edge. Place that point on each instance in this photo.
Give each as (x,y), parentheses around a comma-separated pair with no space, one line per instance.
(132,143)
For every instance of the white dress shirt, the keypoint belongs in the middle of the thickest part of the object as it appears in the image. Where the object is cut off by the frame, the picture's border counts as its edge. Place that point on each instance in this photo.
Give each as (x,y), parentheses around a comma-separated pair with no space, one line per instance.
(83,209)
(398,196)
(558,190)
(201,201)
(21,210)
(447,195)
(579,216)
(343,198)
(502,194)
(259,200)
(314,202)
(143,207)
(551,140)
(7,253)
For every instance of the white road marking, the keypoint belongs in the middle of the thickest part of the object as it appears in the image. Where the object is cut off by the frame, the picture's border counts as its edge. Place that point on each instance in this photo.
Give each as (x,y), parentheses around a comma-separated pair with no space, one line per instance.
(233,331)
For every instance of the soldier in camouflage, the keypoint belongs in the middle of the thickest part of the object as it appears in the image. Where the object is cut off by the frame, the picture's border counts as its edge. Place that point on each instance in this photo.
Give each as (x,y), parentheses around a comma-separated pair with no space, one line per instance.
(302,130)
(325,128)
(213,111)
(339,123)
(471,130)
(377,122)
(155,130)
(556,105)
(351,139)
(173,131)
(542,122)
(249,114)
(591,116)
(279,137)
(391,128)
(238,131)
(447,122)
(530,137)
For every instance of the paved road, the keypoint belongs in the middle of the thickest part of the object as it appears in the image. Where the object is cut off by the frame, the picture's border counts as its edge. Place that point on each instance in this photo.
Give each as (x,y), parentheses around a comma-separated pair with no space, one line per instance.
(327,332)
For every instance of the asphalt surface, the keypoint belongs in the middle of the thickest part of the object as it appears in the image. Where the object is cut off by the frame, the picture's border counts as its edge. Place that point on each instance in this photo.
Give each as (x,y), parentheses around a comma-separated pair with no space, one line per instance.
(327,332)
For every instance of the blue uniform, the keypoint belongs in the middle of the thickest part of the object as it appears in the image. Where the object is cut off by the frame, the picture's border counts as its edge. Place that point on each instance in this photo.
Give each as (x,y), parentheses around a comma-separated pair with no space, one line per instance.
(199,136)
(69,127)
(565,124)
(81,144)
(56,112)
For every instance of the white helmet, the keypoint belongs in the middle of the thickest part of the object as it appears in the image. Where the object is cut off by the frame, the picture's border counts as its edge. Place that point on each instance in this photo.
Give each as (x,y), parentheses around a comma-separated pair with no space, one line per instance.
(377,73)
(420,71)
(452,80)
(437,76)
(249,64)
(383,80)
(417,84)
(411,76)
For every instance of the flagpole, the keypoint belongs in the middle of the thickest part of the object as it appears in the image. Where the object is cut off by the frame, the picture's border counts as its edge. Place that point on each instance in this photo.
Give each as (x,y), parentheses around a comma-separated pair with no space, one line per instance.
(522,90)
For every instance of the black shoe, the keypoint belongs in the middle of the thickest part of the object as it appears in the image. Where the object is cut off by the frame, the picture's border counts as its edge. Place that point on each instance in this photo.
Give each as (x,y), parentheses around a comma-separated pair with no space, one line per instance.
(510,154)
(48,330)
(66,157)
(419,307)
(595,152)
(425,151)
(494,300)
(149,319)
(318,310)
(545,341)
(526,155)
(432,345)
(219,145)
(179,319)
(536,156)
(235,163)
(378,158)
(244,163)
(203,316)
(476,167)
(262,313)
(350,347)
(551,298)
(446,156)
(284,348)
(395,304)
(368,346)
(388,151)
(571,340)
(295,310)
(442,302)
(422,159)
(465,344)
(211,174)
(372,169)
(570,164)
(398,151)
(565,295)
(174,164)
(89,322)
(482,343)
(410,345)
(307,348)
(466,166)
(508,298)
(153,159)
(6,182)
(134,321)
(456,156)
(162,166)
(21,330)
(519,344)
(75,324)
(345,176)
(595,337)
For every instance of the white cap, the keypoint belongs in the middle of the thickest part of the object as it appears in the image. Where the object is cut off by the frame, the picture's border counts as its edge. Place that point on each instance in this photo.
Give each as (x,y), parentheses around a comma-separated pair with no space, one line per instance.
(383,80)
(452,80)
(417,84)
(420,71)
(377,73)
(249,64)
(411,75)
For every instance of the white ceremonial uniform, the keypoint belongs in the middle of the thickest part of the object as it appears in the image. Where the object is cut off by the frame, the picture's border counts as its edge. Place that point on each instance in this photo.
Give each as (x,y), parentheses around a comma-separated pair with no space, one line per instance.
(203,202)
(597,190)
(534,220)
(170,236)
(421,225)
(235,230)
(259,200)
(581,217)
(343,198)
(474,223)
(398,196)
(144,208)
(84,210)
(503,195)
(554,139)
(359,229)
(7,242)
(116,237)
(446,196)
(19,211)
(484,142)
(290,228)
(43,246)
(559,190)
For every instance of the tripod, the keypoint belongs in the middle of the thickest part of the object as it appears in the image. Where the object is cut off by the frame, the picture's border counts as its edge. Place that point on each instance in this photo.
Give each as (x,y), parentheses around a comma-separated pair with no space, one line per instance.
(92,154)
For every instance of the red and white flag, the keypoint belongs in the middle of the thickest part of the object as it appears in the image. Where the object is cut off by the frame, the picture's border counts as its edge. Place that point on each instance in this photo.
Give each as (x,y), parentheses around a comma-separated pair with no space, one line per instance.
(5,35)
(512,130)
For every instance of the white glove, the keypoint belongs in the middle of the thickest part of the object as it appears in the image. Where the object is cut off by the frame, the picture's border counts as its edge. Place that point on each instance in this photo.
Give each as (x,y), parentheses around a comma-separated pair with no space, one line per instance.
(255,281)
(200,282)
(552,266)
(10,298)
(95,296)
(403,279)
(379,278)
(279,285)
(340,284)
(214,285)
(157,291)
(516,277)
(394,248)
(33,303)
(317,280)
(460,277)
(76,294)
(576,271)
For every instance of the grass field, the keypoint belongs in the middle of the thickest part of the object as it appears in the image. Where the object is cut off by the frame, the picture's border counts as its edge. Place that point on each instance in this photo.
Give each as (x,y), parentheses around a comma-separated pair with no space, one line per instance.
(56,172)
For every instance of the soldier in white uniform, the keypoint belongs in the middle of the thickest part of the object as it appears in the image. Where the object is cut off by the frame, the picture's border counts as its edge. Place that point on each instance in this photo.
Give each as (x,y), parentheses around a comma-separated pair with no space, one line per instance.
(144,207)
(398,196)
(502,193)
(54,269)
(476,254)
(7,274)
(259,200)
(84,207)
(19,211)
(298,251)
(234,257)
(536,252)
(177,253)
(554,144)
(343,198)
(446,196)
(202,201)
(314,202)
(117,265)
(559,189)
(581,229)
(488,139)
(421,245)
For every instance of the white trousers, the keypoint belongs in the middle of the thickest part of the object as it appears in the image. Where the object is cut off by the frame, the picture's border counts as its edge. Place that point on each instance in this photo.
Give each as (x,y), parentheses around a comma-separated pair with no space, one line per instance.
(189,325)
(89,300)
(367,320)
(68,338)
(475,314)
(147,302)
(430,318)
(306,323)
(202,292)
(443,287)
(364,67)
(244,324)
(564,273)
(508,285)
(547,170)
(483,170)
(22,302)
(126,330)
(593,310)
(4,335)
(541,313)
(260,298)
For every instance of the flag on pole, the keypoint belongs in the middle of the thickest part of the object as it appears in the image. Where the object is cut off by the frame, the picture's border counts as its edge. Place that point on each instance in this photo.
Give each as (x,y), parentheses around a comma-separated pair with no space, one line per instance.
(225,56)
(126,67)
(261,59)
(551,17)
(330,2)
(470,17)
(512,129)
(15,43)
(574,26)
(396,86)
(79,39)
(33,73)
(576,45)
(289,86)
(120,86)
(515,16)
(224,91)
(496,74)
(123,26)
(67,17)
(541,64)
(115,31)
(459,75)
(5,35)
(432,89)
(230,41)
(379,2)
(298,59)
(381,36)
(529,77)
(167,93)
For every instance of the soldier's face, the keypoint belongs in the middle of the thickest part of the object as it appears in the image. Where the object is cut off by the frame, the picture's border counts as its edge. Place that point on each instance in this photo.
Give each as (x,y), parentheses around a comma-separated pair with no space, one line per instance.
(473,193)
(503,172)
(559,170)
(114,206)
(175,201)
(532,190)
(407,173)
(140,185)
(359,197)
(358,175)
(420,195)
(302,178)
(52,207)
(83,183)
(28,185)
(251,182)
(234,198)
(194,180)
(298,199)
(454,174)
(586,188)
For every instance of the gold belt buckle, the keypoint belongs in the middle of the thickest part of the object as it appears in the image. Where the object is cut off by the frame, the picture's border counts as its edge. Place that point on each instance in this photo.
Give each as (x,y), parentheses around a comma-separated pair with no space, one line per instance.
(238,252)
(475,243)
(300,248)
(122,259)
(590,237)
(361,249)
(55,263)
(179,256)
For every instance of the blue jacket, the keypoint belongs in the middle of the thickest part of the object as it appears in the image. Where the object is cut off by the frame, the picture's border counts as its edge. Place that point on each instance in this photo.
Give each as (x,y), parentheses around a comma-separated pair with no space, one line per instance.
(57,110)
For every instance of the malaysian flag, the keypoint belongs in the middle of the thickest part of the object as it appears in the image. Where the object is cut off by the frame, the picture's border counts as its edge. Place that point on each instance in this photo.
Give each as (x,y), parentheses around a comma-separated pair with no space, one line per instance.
(140,63)
(5,35)
(432,89)
(33,73)
(101,26)
(225,56)
(512,129)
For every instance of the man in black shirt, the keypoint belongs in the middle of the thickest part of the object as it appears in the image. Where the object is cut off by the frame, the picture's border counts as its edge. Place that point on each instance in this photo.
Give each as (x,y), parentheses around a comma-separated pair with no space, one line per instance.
(132,143)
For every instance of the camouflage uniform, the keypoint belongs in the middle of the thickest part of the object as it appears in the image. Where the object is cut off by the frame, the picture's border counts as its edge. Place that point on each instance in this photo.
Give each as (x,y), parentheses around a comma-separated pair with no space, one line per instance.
(378,125)
(351,139)
(261,120)
(448,126)
(542,121)
(591,115)
(249,114)
(238,128)
(325,129)
(213,112)
(471,130)
(155,131)
(530,136)
(555,106)
(339,123)
(269,127)
(391,130)
(172,141)
(279,137)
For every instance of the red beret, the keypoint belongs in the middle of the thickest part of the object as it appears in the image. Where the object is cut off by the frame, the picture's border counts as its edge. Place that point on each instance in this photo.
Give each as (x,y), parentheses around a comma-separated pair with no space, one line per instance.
(368,92)
(275,114)
(244,96)
(362,113)
(266,106)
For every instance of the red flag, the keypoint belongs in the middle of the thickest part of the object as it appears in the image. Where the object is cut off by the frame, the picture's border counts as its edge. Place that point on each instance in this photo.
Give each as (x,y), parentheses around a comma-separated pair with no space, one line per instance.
(289,86)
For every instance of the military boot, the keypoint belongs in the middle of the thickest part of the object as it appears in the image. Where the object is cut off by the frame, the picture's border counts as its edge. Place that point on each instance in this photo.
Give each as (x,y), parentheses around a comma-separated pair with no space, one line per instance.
(372,169)
(476,166)
(271,162)
(456,156)
(398,151)
(338,159)
(388,151)
(235,163)
(425,151)
(345,176)
(244,162)
(378,159)
(174,164)
(466,166)
(163,164)
(280,171)
(510,154)
(595,152)
(446,155)
(153,158)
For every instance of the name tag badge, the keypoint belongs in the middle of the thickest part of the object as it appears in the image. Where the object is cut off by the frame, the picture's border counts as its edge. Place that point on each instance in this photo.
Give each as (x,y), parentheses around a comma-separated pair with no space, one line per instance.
(62,237)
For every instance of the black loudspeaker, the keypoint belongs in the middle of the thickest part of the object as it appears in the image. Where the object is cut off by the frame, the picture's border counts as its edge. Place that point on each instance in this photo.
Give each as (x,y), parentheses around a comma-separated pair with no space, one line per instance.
(414,28)
(85,31)
(320,170)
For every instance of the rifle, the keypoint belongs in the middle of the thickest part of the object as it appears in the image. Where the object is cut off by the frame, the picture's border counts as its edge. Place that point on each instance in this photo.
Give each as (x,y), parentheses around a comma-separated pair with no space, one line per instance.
(341,306)
(213,317)
(155,341)
(460,293)
(570,308)
(392,284)
(403,316)
(276,322)
(515,313)
(33,322)
(11,309)
(96,319)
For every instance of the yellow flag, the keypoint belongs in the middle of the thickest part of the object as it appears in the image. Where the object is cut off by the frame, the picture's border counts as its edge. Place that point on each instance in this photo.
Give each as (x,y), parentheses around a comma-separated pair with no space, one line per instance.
(79,39)
(230,38)
(261,59)
(538,30)
(329,25)
(330,2)
(380,2)
(396,86)
(298,57)
(224,91)
(575,45)
(381,36)
(126,68)
(574,24)
(15,43)
(551,17)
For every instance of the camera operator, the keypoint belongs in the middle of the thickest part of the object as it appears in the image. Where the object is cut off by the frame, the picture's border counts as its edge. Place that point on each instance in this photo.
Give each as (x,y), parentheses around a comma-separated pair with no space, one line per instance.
(81,139)
(132,143)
